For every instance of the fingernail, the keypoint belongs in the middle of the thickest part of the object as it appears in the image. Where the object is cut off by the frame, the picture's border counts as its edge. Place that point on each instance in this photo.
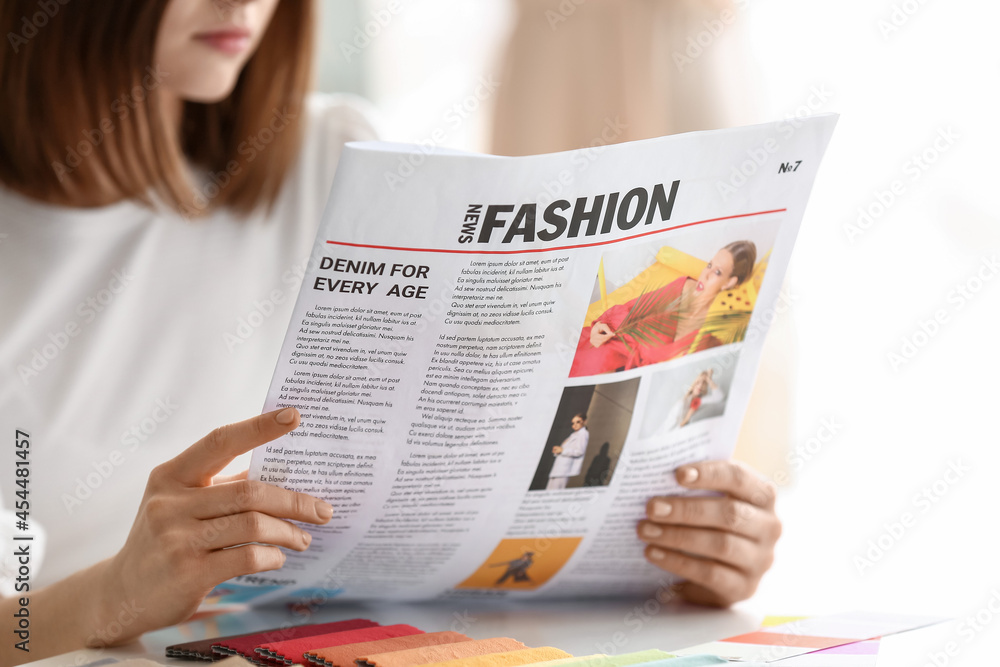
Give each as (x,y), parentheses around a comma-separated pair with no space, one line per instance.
(661,509)
(657,554)
(306,538)
(286,416)
(324,510)
(688,475)
(652,530)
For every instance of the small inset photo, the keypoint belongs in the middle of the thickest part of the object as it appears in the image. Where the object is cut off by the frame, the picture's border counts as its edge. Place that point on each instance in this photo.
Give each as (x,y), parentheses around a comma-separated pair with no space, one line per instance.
(687,394)
(523,564)
(587,436)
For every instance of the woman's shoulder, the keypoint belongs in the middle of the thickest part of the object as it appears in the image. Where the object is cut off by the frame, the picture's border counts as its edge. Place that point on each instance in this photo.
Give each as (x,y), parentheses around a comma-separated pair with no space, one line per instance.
(331,120)
(340,117)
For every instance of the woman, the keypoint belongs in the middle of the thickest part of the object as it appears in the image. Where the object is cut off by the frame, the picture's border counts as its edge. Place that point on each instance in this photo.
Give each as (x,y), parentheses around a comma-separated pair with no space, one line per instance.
(163,173)
(702,392)
(162,177)
(675,315)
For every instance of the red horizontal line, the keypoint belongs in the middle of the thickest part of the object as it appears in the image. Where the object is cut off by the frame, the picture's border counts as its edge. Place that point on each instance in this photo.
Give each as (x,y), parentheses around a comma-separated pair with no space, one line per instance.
(551,249)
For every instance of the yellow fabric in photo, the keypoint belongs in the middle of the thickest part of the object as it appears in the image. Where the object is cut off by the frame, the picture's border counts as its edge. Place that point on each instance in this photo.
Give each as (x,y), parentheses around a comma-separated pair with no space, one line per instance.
(670,265)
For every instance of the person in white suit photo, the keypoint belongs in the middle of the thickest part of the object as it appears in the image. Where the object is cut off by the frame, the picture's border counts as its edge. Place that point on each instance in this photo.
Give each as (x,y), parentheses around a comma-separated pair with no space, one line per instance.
(569,455)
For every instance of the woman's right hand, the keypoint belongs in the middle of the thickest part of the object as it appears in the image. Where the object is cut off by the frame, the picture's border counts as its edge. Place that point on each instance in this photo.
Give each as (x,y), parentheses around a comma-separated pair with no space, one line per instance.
(186,534)
(600,333)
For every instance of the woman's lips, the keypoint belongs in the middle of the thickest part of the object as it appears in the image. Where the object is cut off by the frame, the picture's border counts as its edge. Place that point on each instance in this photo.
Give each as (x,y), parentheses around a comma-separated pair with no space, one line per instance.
(700,286)
(227,41)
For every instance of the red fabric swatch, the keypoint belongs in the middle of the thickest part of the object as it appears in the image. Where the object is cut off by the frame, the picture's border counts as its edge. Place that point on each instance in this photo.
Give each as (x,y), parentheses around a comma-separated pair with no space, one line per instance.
(196,650)
(244,645)
(291,652)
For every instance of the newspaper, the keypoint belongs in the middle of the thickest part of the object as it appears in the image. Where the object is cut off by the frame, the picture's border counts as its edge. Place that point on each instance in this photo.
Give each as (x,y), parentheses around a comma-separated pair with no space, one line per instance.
(498,361)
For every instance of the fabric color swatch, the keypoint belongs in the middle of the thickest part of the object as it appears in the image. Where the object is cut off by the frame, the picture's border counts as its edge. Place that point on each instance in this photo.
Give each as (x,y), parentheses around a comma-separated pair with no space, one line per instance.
(636,658)
(244,645)
(808,635)
(442,653)
(525,656)
(344,656)
(196,650)
(686,661)
(291,652)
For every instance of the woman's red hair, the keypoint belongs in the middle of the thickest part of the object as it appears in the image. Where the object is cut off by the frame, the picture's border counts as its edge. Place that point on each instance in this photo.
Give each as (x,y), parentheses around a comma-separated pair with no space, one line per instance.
(81,125)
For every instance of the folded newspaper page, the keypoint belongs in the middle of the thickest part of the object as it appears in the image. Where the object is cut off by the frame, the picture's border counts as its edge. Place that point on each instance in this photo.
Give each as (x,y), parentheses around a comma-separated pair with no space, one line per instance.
(498,361)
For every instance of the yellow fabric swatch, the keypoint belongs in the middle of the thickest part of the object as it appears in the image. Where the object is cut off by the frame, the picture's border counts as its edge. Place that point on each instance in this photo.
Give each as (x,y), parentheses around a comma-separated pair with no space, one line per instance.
(442,653)
(526,656)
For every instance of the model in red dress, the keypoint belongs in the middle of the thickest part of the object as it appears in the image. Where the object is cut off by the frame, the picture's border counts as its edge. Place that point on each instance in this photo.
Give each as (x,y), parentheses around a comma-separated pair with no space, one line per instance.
(602,350)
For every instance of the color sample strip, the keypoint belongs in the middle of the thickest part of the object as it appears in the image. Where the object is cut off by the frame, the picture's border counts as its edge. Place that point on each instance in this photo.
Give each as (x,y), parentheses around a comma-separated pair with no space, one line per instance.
(808,635)
(569,661)
(291,652)
(783,639)
(687,661)
(442,653)
(344,656)
(244,645)
(525,656)
(859,654)
(601,660)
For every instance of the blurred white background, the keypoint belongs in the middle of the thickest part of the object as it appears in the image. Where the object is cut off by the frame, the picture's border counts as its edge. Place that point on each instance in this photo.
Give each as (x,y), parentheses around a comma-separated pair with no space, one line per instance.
(912,80)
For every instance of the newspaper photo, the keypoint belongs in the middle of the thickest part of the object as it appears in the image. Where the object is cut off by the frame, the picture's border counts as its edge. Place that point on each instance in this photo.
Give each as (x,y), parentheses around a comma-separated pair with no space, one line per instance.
(498,361)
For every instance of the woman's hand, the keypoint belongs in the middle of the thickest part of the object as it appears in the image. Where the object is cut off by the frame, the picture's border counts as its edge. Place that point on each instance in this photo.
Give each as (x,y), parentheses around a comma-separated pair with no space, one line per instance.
(722,545)
(600,333)
(557,450)
(177,549)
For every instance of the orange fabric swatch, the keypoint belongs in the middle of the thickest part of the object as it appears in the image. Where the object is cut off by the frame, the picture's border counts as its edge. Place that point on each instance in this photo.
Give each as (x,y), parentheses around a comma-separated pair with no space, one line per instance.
(344,656)
(422,656)
(510,659)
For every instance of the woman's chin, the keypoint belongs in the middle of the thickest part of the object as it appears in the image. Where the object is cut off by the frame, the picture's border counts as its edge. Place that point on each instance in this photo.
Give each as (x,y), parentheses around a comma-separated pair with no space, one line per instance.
(208,91)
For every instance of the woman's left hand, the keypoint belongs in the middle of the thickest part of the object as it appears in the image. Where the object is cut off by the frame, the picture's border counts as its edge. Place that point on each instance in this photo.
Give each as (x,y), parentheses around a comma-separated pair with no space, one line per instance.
(722,545)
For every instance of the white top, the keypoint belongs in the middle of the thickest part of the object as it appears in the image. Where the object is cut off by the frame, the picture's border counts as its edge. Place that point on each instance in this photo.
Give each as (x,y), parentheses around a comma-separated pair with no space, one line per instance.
(570,461)
(127,334)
